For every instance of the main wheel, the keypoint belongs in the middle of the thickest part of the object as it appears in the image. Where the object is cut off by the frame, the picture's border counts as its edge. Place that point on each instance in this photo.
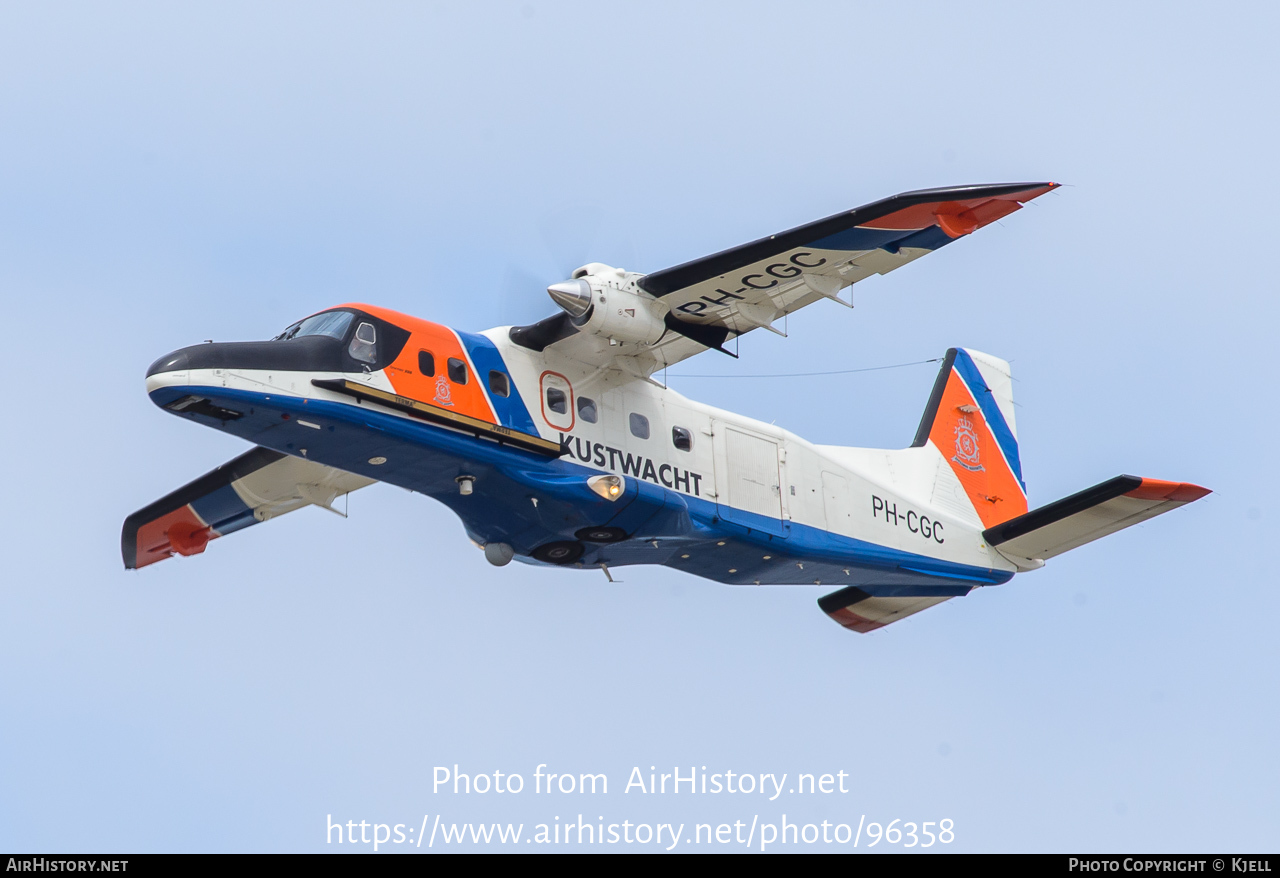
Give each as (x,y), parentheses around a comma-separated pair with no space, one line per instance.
(602,534)
(561,552)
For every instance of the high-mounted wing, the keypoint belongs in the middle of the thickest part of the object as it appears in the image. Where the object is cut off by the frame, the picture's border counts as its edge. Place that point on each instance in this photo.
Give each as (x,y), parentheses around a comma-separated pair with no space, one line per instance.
(708,301)
(258,485)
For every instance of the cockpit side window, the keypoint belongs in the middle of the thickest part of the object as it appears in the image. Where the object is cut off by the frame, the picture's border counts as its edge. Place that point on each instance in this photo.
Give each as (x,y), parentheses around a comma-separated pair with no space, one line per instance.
(364,346)
(342,335)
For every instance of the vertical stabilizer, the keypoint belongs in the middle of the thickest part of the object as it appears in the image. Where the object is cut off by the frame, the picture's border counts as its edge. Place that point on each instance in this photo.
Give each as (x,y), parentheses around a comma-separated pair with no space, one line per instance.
(970,420)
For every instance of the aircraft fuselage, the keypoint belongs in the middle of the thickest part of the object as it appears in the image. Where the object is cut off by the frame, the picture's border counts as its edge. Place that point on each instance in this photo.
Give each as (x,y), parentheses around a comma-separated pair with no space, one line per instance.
(419,405)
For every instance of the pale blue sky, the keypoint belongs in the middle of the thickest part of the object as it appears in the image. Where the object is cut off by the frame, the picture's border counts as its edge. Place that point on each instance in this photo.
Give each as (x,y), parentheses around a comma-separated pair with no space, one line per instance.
(175,173)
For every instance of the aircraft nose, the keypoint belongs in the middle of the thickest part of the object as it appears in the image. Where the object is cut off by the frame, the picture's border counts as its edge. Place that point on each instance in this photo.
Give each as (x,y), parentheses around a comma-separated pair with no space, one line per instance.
(173,362)
(309,354)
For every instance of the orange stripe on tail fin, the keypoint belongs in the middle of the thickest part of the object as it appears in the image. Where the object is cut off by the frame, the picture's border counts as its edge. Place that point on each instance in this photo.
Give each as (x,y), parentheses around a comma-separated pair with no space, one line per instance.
(969,419)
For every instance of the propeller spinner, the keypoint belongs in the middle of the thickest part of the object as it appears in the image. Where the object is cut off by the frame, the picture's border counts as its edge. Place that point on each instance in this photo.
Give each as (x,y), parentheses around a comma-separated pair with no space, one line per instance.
(574,296)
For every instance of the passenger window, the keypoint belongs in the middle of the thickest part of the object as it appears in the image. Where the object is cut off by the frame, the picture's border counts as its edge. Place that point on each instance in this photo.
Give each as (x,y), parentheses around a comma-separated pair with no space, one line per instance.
(427,363)
(364,347)
(682,438)
(557,401)
(457,371)
(587,409)
(498,384)
(639,426)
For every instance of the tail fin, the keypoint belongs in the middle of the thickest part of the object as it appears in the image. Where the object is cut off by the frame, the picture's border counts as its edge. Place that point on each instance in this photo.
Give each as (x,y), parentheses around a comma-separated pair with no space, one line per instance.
(969,419)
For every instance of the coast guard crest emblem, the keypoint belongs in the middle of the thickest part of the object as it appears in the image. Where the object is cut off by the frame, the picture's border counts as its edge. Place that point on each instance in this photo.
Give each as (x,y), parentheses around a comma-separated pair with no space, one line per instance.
(967,452)
(442,392)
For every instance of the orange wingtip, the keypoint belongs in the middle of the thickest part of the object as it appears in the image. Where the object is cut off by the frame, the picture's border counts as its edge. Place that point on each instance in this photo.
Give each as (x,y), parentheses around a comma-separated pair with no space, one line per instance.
(957,218)
(1178,492)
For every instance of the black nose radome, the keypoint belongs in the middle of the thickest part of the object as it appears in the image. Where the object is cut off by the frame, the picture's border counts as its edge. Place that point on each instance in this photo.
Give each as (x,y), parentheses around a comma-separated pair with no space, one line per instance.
(311,354)
(173,362)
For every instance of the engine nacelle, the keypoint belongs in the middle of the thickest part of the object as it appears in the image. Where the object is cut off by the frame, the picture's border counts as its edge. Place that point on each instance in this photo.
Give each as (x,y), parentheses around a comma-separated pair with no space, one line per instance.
(607,302)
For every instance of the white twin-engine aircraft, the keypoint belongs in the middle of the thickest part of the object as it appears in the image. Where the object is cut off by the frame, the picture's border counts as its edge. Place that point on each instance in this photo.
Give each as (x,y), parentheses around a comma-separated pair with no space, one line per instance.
(554,444)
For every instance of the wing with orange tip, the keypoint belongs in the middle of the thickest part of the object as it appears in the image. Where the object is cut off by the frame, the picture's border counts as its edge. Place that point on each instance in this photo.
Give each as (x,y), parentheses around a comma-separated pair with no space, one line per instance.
(258,485)
(753,285)
(712,300)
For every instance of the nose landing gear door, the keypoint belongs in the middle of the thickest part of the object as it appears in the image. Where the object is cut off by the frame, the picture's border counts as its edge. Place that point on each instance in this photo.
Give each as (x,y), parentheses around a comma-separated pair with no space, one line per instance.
(749,480)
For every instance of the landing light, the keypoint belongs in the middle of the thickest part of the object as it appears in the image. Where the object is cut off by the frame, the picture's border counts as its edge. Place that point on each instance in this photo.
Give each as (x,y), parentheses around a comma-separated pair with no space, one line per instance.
(608,487)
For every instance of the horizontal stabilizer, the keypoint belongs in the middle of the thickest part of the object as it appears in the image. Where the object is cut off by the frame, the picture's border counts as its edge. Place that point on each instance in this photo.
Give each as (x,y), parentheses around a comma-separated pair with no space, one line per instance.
(255,487)
(1084,517)
(859,611)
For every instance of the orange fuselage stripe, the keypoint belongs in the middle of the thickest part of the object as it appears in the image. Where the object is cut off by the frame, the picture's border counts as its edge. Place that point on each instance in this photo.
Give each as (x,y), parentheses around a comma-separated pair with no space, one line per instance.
(443,344)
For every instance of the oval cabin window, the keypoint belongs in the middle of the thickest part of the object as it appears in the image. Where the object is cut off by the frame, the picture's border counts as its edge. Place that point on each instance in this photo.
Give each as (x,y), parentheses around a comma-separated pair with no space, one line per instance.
(557,402)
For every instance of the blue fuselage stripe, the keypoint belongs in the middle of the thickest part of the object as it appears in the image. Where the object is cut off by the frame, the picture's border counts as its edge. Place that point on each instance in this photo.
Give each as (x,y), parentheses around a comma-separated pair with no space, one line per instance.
(510,409)
(429,458)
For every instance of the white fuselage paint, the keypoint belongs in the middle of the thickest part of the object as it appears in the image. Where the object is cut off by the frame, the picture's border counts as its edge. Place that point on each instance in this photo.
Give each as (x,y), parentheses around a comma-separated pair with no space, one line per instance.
(901,499)
(830,488)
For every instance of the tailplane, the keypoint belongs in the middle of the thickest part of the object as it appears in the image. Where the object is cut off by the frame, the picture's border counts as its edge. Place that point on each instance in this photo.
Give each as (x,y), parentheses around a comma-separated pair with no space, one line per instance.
(1086,516)
(969,420)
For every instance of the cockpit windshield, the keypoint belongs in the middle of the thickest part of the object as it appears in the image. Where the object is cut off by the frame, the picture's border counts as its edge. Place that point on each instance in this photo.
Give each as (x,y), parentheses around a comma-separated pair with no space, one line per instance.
(331,323)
